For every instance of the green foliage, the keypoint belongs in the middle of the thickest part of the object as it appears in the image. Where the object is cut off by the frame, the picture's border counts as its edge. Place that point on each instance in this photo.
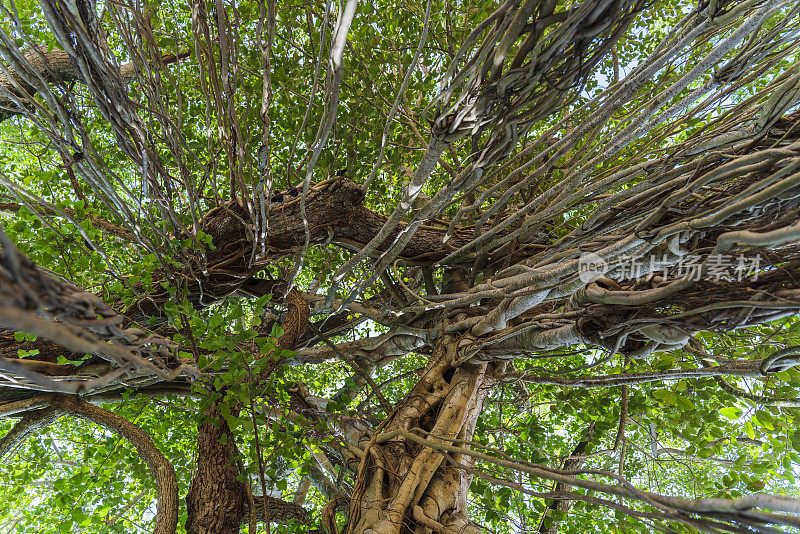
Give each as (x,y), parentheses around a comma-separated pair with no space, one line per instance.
(683,437)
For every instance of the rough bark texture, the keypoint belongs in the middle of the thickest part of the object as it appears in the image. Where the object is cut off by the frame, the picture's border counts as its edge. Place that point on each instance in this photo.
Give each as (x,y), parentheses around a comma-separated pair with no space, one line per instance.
(217,502)
(334,213)
(403,486)
(216,499)
(54,66)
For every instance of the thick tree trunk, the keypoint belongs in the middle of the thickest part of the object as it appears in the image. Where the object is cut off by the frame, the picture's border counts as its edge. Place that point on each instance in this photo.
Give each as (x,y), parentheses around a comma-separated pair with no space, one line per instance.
(217,502)
(216,499)
(406,487)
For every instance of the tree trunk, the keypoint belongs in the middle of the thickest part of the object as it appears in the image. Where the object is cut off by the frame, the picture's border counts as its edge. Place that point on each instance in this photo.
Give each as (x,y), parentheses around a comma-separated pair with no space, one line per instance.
(216,499)
(549,523)
(406,487)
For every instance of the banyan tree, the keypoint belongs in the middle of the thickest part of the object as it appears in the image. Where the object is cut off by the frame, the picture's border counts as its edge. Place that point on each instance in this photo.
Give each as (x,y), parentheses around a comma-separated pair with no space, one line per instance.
(405,267)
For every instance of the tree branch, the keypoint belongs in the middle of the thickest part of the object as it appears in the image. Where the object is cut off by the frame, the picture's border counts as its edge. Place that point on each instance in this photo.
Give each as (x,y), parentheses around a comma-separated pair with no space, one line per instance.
(164,474)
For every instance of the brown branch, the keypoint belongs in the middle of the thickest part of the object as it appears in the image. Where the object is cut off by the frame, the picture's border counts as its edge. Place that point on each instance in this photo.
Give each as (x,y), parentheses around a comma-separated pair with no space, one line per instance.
(334,215)
(73,318)
(216,502)
(164,474)
(53,67)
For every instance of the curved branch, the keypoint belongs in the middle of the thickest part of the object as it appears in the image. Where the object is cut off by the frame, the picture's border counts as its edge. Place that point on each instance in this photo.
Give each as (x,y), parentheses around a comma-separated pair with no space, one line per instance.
(54,66)
(30,423)
(164,474)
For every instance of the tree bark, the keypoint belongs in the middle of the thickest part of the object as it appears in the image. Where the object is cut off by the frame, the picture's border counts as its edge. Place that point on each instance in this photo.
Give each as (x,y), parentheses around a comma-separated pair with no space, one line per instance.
(334,214)
(403,486)
(216,499)
(54,66)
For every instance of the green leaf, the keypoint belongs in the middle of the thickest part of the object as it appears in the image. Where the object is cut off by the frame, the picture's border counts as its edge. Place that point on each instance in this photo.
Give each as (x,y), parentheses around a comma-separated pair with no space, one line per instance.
(277,331)
(748,428)
(731,412)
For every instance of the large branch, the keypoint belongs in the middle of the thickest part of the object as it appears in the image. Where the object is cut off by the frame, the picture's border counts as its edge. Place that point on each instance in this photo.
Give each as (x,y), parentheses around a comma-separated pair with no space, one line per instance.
(37,302)
(164,474)
(52,66)
(68,321)
(639,329)
(166,482)
(334,214)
